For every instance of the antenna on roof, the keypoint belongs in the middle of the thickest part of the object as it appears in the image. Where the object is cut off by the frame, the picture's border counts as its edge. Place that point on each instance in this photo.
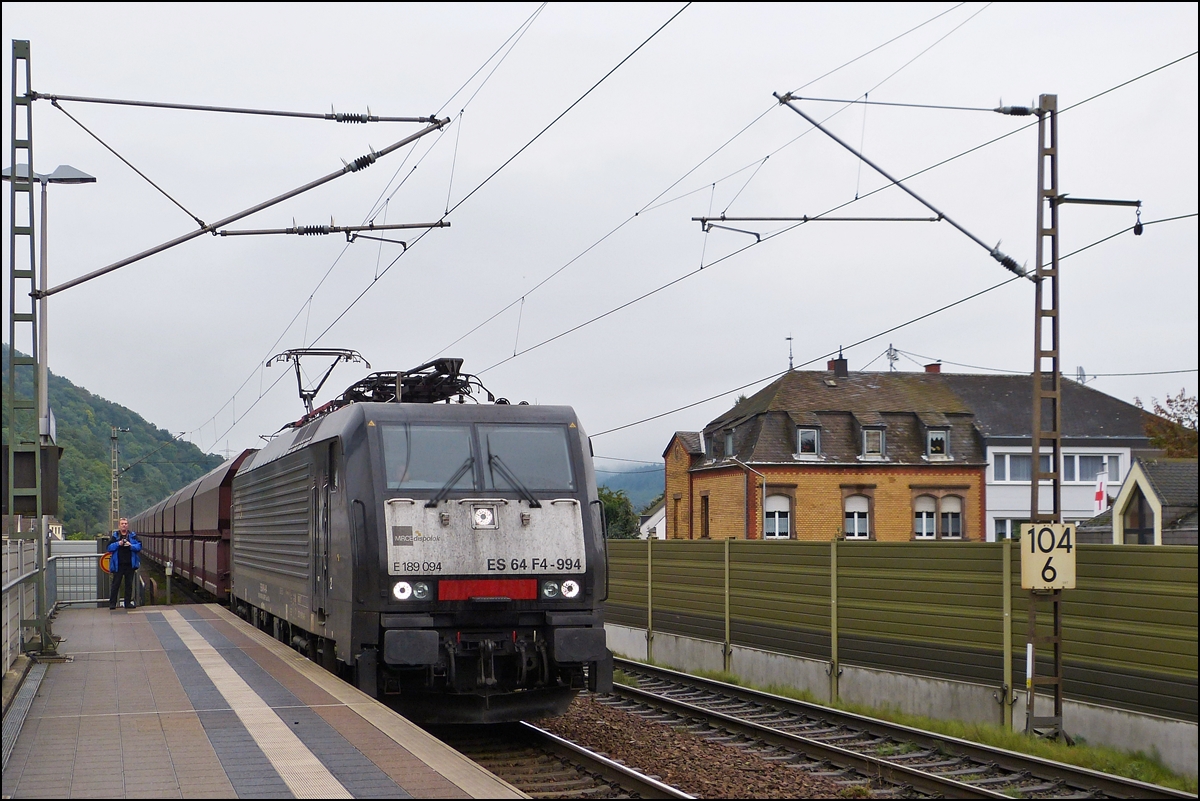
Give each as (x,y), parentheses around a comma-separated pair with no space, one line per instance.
(1081,375)
(893,356)
(789,341)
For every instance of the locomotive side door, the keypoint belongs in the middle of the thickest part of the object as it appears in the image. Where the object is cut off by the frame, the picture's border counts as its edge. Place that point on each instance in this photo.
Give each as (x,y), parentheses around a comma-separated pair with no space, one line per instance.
(323,484)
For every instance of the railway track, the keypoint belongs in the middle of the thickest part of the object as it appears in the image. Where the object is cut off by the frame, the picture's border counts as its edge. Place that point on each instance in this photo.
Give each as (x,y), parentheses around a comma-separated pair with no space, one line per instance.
(546,766)
(889,758)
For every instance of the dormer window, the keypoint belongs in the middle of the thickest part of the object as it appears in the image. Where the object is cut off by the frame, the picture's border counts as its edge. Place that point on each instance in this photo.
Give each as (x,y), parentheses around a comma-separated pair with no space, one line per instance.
(873,443)
(808,442)
(728,442)
(937,444)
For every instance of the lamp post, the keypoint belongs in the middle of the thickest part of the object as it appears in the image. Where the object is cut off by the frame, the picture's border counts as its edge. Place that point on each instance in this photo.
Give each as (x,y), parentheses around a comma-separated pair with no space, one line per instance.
(63,174)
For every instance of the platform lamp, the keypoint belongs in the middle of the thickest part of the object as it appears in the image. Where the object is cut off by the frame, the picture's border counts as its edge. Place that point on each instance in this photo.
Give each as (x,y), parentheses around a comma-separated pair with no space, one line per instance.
(63,174)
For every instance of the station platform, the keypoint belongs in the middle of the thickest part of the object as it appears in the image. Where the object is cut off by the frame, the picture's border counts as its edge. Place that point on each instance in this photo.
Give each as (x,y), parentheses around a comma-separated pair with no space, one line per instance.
(192,702)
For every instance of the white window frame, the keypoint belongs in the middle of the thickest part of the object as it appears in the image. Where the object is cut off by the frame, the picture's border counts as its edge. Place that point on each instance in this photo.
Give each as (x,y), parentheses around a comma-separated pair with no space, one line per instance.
(944,433)
(774,514)
(1008,479)
(800,432)
(862,520)
(871,455)
(942,518)
(1107,468)
(925,520)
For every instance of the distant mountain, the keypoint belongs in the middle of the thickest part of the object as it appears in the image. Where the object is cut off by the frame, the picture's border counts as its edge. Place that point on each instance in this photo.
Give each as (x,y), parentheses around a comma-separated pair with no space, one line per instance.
(641,484)
(84,424)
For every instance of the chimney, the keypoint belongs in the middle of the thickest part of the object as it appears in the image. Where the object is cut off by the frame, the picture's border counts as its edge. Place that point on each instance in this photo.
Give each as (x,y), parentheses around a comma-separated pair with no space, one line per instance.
(839,366)
(936,367)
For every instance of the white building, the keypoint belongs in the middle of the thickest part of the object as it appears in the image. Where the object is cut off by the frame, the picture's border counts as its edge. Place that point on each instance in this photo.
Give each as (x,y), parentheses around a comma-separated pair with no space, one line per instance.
(654,524)
(1101,434)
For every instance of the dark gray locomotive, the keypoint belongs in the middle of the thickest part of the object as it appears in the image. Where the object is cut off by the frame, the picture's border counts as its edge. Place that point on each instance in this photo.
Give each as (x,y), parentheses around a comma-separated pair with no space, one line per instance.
(447,558)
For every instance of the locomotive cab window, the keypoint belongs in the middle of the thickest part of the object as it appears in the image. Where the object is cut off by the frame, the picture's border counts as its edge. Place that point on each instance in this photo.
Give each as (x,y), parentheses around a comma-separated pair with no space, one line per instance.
(539,457)
(427,456)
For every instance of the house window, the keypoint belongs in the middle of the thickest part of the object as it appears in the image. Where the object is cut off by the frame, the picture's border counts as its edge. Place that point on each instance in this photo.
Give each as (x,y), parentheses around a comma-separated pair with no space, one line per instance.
(1008,528)
(1020,466)
(728,442)
(873,443)
(1086,467)
(924,514)
(776,518)
(857,521)
(808,441)
(1139,519)
(938,445)
(1000,468)
(1090,466)
(951,509)
(704,517)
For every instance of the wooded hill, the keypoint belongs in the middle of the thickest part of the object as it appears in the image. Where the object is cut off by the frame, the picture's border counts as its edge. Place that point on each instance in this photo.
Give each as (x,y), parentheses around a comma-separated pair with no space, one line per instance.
(160,464)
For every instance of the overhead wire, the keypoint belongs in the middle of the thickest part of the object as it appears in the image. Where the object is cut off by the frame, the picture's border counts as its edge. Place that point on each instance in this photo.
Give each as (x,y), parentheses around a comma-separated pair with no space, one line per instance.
(126,162)
(651,204)
(480,185)
(910,354)
(787,229)
(375,210)
(840,349)
(505,164)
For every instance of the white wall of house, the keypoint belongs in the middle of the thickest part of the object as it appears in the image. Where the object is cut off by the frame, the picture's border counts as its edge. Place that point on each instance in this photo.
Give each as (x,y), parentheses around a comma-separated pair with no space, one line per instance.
(1008,498)
(655,526)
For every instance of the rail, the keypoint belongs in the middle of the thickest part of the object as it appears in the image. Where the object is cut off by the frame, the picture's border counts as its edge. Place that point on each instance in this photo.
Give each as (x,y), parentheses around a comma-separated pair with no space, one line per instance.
(696,696)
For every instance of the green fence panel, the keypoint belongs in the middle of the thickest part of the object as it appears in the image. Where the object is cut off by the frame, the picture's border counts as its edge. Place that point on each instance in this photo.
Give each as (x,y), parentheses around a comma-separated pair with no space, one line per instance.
(689,588)
(1129,628)
(626,605)
(931,608)
(779,596)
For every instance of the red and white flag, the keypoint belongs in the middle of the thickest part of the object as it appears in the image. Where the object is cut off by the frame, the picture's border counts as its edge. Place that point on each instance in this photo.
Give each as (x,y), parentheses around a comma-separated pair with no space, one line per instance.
(1101,500)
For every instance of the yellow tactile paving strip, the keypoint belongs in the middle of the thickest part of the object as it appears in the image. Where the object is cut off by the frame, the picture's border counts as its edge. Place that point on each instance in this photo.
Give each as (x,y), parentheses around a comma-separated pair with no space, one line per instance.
(456,768)
(117,722)
(299,768)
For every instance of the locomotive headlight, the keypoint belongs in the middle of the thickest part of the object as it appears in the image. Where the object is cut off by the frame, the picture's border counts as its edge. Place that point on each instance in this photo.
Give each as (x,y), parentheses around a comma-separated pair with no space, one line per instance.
(550,589)
(422,591)
(403,590)
(570,589)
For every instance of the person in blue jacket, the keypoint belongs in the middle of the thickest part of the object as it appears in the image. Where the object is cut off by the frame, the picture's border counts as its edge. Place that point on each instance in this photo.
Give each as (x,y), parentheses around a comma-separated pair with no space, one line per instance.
(124,562)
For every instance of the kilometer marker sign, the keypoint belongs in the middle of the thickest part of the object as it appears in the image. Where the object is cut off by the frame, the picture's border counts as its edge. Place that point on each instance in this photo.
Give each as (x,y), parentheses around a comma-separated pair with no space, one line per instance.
(1048,556)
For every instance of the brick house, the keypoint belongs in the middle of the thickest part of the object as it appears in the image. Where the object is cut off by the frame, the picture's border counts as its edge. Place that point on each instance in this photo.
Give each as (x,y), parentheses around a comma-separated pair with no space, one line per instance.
(822,454)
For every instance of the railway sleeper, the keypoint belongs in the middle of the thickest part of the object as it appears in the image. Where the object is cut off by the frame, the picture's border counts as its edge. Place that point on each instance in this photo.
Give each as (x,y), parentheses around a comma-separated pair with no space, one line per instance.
(976,769)
(830,738)
(912,755)
(1009,779)
(1045,787)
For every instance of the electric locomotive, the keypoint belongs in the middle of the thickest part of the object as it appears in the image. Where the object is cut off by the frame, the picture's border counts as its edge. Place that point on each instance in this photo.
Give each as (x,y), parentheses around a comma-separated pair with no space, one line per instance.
(447,557)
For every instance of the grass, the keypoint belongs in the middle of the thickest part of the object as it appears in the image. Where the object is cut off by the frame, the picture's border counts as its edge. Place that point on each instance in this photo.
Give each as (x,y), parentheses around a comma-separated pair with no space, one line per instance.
(1133,765)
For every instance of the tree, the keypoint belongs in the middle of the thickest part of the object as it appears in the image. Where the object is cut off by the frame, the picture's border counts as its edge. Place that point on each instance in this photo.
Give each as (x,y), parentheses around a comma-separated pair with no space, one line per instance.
(619,515)
(655,501)
(1172,426)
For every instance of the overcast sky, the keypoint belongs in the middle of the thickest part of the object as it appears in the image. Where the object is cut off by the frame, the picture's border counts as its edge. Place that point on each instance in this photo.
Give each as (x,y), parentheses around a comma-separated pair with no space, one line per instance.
(603,200)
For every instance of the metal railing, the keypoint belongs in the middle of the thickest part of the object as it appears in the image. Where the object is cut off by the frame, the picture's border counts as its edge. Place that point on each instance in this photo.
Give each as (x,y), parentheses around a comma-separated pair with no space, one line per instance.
(77,579)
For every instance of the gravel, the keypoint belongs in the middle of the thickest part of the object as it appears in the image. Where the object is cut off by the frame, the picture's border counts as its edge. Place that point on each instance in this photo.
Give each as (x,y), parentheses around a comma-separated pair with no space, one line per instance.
(682,759)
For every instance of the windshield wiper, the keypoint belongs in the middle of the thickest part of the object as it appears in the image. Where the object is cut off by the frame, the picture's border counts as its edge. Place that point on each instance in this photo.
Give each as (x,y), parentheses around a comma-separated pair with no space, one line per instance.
(445,490)
(496,462)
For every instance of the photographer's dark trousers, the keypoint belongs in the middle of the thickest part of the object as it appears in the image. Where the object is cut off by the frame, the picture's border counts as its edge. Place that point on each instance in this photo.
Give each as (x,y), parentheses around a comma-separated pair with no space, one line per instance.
(129,576)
